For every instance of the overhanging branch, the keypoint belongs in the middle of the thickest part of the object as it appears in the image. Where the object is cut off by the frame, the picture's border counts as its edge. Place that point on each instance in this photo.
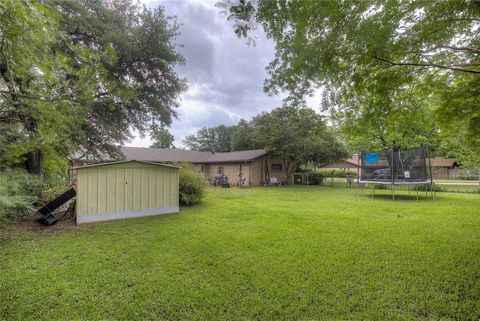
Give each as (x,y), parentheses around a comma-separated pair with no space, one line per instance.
(425,65)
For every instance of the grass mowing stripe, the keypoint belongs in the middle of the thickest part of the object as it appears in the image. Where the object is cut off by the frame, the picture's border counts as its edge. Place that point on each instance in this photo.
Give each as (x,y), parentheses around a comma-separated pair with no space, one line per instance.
(256,254)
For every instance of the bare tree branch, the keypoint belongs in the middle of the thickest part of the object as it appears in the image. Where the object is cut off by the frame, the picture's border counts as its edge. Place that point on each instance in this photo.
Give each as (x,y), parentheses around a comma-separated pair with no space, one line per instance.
(28,96)
(425,65)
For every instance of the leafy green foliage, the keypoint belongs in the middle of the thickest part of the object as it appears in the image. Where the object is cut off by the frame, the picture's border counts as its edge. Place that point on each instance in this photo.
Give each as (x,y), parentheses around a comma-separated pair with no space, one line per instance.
(82,74)
(35,119)
(427,188)
(393,73)
(161,137)
(213,139)
(315,178)
(138,83)
(18,190)
(297,135)
(459,114)
(191,185)
(338,173)
(243,137)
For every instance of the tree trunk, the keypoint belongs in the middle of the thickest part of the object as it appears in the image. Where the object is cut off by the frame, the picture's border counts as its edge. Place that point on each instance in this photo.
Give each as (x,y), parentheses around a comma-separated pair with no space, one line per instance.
(267,170)
(34,162)
(290,167)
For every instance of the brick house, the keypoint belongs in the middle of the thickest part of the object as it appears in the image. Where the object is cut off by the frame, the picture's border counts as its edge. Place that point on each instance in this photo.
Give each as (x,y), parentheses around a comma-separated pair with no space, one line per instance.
(252,167)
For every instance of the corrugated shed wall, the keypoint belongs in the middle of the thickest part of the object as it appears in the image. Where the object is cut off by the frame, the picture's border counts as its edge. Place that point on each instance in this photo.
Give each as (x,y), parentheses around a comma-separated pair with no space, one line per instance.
(126,187)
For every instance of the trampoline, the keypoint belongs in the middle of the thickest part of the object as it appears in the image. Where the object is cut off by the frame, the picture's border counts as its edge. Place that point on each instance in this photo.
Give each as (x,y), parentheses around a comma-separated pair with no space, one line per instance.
(395,167)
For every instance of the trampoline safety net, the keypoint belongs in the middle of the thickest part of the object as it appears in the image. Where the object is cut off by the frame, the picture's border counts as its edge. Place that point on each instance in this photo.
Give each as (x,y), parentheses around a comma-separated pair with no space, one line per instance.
(395,166)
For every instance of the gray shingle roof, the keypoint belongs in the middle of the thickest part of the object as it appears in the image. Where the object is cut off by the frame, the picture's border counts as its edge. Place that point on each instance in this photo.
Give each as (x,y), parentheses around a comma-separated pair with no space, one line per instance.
(443,162)
(125,161)
(190,156)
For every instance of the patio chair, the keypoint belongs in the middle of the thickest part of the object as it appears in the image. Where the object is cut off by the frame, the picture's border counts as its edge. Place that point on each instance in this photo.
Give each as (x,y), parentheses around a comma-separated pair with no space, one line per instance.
(275,181)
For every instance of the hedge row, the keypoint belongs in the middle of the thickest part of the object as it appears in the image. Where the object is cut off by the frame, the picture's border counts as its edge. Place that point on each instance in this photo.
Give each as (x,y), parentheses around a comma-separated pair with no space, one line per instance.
(338,173)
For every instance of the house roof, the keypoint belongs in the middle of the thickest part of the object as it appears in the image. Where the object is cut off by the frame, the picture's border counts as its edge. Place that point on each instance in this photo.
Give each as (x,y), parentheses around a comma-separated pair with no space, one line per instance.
(443,162)
(190,156)
(125,161)
(352,161)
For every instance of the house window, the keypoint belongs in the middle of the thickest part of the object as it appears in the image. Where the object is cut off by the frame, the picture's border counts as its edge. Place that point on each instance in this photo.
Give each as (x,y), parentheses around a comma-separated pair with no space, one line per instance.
(202,169)
(220,170)
(276,167)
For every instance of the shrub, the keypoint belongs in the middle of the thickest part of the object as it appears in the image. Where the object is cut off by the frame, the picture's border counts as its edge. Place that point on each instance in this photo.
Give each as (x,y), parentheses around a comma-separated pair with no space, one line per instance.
(315,178)
(192,186)
(427,187)
(468,174)
(338,173)
(18,190)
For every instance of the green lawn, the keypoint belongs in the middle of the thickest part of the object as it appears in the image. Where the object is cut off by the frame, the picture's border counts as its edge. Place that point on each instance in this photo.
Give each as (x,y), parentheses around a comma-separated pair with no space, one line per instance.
(450,188)
(280,253)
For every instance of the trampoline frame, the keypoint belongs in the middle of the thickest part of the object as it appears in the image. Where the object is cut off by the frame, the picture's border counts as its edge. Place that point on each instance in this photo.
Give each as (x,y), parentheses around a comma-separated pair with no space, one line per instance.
(360,184)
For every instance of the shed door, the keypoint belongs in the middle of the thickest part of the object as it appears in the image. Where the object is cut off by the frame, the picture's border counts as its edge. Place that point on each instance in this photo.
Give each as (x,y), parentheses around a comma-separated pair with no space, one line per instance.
(127,188)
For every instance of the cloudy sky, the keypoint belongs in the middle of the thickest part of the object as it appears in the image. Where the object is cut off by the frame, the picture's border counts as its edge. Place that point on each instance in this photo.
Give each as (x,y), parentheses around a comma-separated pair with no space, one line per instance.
(225,76)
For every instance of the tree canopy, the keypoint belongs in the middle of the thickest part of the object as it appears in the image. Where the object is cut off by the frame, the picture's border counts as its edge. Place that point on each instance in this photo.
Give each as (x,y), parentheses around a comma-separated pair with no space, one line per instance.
(212,139)
(82,74)
(161,137)
(297,136)
(393,72)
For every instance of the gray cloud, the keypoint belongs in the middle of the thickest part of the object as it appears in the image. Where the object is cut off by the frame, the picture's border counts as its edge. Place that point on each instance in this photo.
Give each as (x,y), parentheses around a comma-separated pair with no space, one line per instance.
(224,75)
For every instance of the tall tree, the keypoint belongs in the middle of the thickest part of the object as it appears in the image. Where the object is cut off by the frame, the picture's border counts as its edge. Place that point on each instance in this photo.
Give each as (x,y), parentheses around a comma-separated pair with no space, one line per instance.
(36,117)
(161,137)
(83,74)
(349,49)
(243,137)
(297,136)
(385,113)
(140,84)
(459,115)
(213,139)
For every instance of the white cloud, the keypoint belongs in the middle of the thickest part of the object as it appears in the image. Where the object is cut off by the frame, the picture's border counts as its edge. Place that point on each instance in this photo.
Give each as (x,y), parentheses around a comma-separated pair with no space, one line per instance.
(225,76)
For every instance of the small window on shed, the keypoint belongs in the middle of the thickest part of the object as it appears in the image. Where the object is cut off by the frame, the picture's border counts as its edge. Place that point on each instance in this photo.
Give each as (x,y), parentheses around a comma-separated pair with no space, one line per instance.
(276,167)
(220,170)
(202,169)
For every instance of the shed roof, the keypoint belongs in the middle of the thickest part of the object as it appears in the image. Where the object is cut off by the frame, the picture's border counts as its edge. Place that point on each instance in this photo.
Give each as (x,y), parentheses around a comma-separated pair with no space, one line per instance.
(190,156)
(126,161)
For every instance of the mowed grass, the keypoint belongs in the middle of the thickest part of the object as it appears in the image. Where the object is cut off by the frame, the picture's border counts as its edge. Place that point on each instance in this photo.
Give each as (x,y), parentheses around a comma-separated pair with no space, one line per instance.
(281,253)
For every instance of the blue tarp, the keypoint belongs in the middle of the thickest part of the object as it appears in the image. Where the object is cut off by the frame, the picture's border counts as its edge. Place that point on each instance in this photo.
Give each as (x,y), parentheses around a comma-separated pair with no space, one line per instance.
(371,158)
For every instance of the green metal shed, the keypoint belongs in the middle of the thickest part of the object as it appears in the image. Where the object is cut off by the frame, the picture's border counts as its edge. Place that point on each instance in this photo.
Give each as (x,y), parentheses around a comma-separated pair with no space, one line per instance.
(125,189)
